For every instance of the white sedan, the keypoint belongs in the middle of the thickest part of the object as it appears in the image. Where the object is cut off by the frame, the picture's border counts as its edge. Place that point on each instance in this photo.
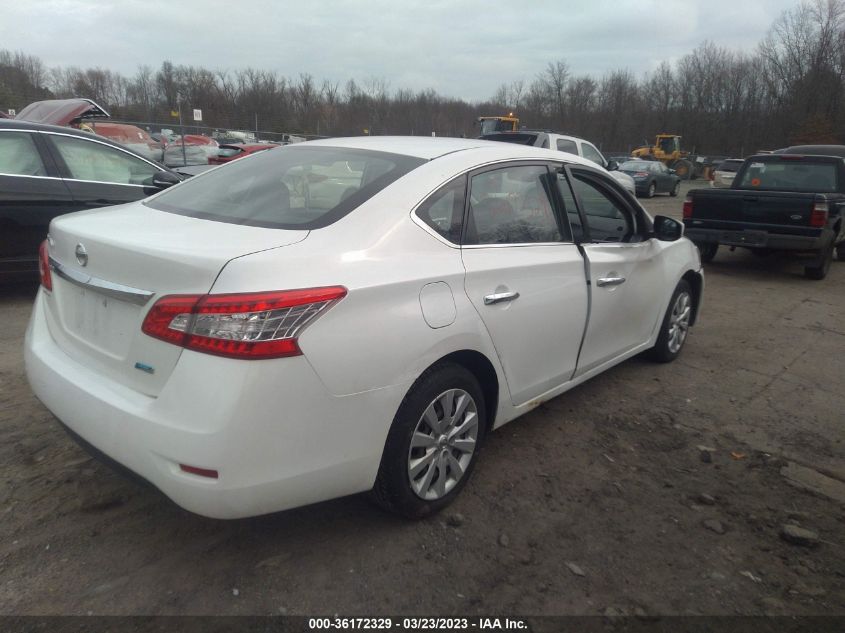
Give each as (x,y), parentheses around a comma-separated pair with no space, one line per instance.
(347,315)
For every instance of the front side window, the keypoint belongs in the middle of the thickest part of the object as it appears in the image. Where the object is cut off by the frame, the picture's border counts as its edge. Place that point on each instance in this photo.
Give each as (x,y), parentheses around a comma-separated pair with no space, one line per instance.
(443,211)
(511,206)
(88,160)
(19,156)
(297,187)
(607,219)
(591,153)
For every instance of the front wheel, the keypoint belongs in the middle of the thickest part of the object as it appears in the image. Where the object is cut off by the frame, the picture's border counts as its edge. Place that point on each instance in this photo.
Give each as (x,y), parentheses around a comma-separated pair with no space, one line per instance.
(652,188)
(675,326)
(676,189)
(433,443)
(840,252)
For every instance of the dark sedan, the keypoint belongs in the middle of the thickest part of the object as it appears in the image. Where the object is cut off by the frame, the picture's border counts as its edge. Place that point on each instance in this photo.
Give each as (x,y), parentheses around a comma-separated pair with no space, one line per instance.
(46,171)
(652,177)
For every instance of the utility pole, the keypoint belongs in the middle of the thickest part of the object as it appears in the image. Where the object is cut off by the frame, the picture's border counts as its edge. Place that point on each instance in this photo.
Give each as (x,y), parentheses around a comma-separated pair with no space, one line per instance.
(181,128)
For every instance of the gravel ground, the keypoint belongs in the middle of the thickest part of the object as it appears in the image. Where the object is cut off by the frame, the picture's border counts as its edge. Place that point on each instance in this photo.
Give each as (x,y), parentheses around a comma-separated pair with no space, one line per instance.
(656,489)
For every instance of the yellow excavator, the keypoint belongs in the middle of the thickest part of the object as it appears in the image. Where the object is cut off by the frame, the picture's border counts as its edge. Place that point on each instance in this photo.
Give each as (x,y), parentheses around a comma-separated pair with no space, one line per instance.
(667,149)
(493,124)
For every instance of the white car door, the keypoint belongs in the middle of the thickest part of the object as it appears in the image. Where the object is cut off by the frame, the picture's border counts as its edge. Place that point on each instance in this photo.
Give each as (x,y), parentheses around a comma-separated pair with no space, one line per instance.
(624,267)
(525,277)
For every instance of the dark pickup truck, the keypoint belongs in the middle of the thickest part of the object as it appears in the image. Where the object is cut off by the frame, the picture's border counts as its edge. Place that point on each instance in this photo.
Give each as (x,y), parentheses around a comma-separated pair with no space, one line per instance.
(777,202)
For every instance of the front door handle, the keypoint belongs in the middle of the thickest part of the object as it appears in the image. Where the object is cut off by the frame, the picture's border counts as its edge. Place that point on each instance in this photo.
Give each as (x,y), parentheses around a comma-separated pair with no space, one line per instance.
(610,281)
(500,297)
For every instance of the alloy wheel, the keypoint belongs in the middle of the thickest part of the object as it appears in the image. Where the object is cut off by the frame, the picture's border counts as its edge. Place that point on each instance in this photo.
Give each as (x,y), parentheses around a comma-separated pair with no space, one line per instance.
(443,444)
(679,322)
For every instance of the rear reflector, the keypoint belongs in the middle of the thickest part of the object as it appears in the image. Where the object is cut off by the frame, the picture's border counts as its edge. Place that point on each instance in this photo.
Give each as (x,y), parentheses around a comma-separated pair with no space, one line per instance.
(44,266)
(249,326)
(202,472)
(818,216)
(688,208)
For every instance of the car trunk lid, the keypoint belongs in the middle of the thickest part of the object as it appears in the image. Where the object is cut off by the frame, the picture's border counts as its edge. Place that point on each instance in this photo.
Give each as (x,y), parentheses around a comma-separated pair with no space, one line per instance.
(110,266)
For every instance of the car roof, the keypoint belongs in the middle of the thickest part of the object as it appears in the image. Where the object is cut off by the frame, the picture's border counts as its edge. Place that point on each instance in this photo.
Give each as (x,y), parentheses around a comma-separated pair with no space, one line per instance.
(815,150)
(430,148)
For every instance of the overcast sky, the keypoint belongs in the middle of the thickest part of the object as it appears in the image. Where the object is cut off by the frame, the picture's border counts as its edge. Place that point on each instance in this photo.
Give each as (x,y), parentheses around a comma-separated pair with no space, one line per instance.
(461,48)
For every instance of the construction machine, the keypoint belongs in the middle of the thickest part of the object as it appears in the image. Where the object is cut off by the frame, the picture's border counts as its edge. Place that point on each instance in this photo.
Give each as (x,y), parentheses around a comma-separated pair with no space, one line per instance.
(667,149)
(493,124)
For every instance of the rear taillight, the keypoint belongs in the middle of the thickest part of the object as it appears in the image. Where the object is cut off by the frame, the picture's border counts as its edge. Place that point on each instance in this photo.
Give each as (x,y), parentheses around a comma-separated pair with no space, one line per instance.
(688,208)
(711,175)
(44,266)
(640,174)
(249,325)
(818,216)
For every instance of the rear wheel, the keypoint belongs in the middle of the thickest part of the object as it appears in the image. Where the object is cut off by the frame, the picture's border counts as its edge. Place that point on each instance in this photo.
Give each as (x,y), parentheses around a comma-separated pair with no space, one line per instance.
(675,326)
(433,443)
(840,252)
(707,250)
(819,271)
(652,188)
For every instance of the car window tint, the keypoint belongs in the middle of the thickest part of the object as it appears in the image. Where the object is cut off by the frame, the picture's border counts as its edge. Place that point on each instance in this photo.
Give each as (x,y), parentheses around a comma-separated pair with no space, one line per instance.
(511,206)
(19,156)
(293,187)
(565,145)
(591,153)
(570,207)
(87,160)
(607,219)
(443,211)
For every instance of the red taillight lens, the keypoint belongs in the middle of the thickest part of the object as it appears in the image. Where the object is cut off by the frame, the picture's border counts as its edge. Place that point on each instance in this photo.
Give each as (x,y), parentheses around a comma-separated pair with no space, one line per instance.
(44,266)
(640,174)
(249,325)
(202,472)
(818,216)
(688,208)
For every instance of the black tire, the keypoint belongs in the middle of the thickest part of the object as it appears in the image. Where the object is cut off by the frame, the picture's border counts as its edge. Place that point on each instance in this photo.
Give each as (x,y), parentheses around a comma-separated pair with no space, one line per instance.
(676,190)
(393,488)
(664,350)
(840,252)
(683,169)
(820,271)
(652,189)
(707,251)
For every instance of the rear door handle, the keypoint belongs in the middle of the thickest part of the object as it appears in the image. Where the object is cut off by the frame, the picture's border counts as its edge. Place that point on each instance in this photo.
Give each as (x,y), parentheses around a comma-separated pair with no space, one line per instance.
(610,281)
(500,297)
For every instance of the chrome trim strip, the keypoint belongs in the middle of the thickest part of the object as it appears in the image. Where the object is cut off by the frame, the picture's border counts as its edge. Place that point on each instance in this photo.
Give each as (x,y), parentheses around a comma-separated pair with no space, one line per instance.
(26,176)
(118,291)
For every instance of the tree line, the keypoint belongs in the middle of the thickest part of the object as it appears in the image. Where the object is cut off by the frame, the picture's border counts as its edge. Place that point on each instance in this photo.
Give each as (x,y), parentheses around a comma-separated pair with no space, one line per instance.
(789,90)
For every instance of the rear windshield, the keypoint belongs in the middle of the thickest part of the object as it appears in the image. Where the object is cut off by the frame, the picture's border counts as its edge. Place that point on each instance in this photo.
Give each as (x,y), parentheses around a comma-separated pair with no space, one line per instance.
(635,165)
(292,187)
(789,175)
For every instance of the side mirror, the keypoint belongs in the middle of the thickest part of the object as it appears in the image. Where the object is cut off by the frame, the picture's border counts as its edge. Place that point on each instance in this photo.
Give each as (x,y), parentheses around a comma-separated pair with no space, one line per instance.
(612,165)
(667,229)
(672,171)
(165,179)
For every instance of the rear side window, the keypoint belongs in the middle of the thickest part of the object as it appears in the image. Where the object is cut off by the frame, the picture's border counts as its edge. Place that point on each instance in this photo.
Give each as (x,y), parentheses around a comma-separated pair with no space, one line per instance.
(443,211)
(565,145)
(19,156)
(730,165)
(293,187)
(790,175)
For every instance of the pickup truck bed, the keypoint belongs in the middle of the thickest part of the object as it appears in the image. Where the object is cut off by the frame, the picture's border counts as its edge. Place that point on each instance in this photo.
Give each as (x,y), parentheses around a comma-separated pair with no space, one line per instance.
(777,202)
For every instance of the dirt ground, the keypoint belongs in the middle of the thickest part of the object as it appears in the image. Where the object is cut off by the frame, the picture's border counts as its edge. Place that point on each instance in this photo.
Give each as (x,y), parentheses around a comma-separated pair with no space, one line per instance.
(657,489)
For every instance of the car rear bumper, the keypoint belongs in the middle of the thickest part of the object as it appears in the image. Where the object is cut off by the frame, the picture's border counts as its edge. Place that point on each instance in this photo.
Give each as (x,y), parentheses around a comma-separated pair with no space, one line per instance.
(275,435)
(754,239)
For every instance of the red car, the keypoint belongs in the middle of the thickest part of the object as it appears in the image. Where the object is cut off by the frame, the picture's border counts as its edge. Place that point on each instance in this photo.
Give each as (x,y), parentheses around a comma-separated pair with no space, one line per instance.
(233,151)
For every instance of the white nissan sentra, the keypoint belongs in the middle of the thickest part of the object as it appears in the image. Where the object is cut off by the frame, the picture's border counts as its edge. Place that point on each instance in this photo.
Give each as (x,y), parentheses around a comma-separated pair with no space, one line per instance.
(347,315)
